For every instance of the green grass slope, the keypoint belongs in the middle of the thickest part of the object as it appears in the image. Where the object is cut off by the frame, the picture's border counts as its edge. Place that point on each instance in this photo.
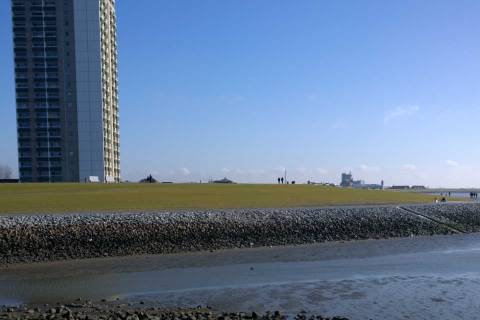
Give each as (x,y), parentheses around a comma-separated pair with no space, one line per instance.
(63,198)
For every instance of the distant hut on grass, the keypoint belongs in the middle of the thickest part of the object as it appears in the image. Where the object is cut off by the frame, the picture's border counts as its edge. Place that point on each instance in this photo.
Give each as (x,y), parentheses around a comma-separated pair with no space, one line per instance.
(148,179)
(224,180)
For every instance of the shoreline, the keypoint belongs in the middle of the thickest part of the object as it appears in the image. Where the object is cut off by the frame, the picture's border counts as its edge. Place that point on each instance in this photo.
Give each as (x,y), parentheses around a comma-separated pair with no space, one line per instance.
(324,251)
(264,279)
(36,238)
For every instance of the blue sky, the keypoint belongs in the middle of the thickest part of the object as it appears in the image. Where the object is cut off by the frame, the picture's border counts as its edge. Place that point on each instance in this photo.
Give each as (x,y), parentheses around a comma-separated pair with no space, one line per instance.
(387,89)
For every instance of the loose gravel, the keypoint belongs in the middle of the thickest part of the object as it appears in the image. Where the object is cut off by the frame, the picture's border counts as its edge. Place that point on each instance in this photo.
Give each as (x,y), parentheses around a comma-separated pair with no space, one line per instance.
(89,310)
(73,236)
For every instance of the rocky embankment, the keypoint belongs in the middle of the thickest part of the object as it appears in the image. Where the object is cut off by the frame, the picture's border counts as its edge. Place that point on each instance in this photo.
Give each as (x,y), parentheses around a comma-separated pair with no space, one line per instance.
(88,310)
(464,217)
(57,237)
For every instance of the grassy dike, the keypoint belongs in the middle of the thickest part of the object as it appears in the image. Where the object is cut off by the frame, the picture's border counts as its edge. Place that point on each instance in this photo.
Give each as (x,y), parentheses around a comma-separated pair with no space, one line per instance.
(134,197)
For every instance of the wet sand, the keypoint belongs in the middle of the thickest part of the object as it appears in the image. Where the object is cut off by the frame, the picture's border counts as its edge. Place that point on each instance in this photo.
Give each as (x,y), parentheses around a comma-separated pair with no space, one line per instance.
(419,277)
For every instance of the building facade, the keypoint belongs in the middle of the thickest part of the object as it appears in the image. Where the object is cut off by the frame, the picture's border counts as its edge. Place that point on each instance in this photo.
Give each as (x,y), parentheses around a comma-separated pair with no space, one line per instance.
(347,180)
(65,55)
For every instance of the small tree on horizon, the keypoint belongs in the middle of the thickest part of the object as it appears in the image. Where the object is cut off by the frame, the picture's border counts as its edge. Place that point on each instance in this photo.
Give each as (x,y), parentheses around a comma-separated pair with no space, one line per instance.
(5,172)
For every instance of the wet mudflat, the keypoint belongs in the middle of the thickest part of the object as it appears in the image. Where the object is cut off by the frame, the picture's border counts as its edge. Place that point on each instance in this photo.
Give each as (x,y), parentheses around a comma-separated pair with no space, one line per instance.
(419,277)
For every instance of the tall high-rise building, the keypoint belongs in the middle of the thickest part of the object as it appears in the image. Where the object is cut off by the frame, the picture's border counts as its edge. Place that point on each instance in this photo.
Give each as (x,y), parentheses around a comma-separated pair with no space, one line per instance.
(65,55)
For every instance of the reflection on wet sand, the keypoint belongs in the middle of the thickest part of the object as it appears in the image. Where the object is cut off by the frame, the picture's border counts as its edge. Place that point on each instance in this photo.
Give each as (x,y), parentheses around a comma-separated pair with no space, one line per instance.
(436,276)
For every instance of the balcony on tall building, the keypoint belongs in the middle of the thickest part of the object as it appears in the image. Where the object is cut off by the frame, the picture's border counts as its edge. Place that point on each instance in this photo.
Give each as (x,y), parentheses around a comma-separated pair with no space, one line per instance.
(23,133)
(55,144)
(48,134)
(19,36)
(47,115)
(25,164)
(20,55)
(44,35)
(20,43)
(51,154)
(52,86)
(21,88)
(24,146)
(23,115)
(21,76)
(23,124)
(18,5)
(45,76)
(18,9)
(47,164)
(46,96)
(21,66)
(46,106)
(19,22)
(44,45)
(45,67)
(22,97)
(43,56)
(47,124)
(43,16)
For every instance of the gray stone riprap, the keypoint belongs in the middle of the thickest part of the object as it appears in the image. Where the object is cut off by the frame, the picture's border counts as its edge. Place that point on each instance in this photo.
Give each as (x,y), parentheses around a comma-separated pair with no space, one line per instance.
(464,216)
(88,310)
(56,237)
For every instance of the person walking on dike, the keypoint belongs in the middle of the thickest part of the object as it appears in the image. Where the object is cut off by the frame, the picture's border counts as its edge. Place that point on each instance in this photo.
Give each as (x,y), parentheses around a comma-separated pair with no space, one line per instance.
(282,180)
(278,180)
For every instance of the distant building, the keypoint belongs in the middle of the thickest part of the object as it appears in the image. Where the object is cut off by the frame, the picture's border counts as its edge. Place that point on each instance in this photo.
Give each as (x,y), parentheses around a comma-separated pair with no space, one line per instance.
(327,184)
(348,182)
(224,180)
(358,183)
(65,58)
(419,187)
(371,186)
(400,187)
